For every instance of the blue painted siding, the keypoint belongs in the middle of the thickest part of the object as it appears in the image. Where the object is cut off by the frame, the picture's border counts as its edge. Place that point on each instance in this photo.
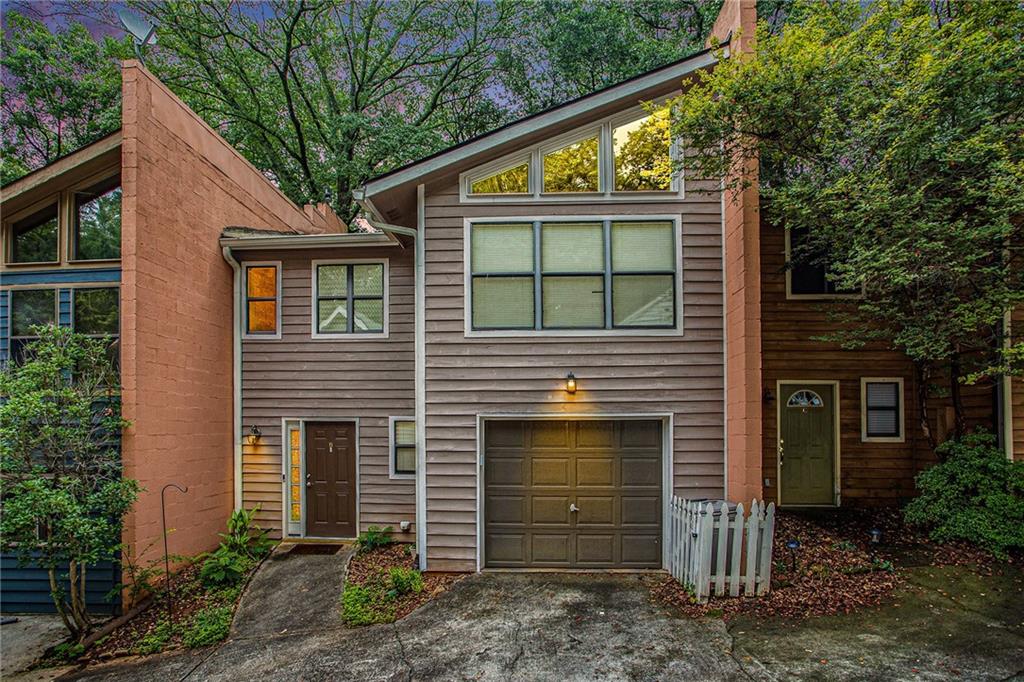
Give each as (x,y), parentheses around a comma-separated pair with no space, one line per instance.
(26,589)
(64,307)
(66,276)
(5,325)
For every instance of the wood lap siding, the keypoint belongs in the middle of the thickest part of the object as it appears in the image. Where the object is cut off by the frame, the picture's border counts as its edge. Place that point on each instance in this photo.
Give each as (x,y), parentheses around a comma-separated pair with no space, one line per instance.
(298,377)
(682,375)
(870,473)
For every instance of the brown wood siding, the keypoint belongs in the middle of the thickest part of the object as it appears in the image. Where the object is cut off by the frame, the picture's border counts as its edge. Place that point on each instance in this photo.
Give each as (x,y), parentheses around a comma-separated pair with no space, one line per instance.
(870,473)
(681,375)
(317,380)
(1017,391)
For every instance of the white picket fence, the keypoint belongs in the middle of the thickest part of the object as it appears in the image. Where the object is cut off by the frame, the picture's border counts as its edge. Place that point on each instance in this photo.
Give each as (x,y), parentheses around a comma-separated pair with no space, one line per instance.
(715,548)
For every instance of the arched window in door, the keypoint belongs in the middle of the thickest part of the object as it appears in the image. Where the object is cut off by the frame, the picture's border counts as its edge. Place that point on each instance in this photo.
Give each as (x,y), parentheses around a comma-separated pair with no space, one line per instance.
(805,398)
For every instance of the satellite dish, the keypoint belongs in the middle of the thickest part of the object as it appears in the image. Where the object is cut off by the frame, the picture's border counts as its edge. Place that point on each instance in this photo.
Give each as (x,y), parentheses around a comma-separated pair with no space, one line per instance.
(143,32)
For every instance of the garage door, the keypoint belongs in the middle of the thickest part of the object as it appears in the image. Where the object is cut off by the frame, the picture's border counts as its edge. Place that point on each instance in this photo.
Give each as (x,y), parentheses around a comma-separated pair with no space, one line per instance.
(572,494)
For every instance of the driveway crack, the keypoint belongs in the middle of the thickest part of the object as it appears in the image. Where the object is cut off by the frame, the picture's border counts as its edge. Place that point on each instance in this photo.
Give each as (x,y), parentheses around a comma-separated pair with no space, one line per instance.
(510,667)
(739,662)
(402,652)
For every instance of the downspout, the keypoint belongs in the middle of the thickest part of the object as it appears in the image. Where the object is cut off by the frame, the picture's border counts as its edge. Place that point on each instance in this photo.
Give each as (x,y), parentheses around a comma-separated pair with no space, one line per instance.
(236,370)
(373,217)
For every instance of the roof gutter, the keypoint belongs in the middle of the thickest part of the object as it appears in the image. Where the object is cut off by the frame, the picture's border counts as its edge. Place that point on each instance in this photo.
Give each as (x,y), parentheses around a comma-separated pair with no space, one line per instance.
(306,241)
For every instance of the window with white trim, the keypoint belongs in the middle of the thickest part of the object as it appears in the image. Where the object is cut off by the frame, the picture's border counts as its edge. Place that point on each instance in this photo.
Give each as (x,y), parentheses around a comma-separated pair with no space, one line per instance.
(262,300)
(403,447)
(349,298)
(882,409)
(570,275)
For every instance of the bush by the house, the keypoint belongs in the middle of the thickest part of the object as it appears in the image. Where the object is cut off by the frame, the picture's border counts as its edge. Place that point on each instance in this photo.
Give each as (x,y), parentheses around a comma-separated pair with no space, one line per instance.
(405,580)
(974,494)
(374,537)
(240,548)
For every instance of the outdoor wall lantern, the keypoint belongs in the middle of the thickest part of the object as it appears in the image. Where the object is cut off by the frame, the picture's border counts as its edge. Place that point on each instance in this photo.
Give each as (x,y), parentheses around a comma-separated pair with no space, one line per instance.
(254,435)
(570,383)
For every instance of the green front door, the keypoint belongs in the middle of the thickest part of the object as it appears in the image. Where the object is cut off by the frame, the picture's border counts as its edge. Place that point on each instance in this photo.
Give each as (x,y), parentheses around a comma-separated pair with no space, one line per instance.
(807,444)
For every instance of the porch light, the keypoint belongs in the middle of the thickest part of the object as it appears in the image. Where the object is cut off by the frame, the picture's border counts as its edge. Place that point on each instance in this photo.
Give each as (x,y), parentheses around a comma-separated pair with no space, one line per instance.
(254,435)
(876,535)
(570,383)
(792,546)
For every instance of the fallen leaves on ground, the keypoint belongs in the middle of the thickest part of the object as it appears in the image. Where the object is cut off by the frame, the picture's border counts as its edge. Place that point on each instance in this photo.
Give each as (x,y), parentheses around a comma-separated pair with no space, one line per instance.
(368,567)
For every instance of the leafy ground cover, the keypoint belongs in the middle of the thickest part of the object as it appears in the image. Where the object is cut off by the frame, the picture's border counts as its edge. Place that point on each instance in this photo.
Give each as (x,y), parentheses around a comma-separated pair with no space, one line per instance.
(382,585)
(836,569)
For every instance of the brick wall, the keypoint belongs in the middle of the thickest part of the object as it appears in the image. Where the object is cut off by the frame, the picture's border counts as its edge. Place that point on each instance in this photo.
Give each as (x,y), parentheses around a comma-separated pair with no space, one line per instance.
(182,184)
(742,294)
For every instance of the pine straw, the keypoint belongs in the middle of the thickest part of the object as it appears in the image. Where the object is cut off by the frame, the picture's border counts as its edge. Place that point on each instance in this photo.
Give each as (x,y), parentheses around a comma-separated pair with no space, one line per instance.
(373,566)
(837,570)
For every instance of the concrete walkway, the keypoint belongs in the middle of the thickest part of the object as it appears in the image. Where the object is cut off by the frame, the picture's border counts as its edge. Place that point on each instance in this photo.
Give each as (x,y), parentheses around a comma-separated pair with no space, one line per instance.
(949,625)
(24,641)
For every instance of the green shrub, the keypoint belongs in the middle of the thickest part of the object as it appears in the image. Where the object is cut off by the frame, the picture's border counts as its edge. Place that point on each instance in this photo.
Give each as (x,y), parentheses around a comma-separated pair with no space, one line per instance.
(156,639)
(974,494)
(374,537)
(224,568)
(364,606)
(244,537)
(405,580)
(208,626)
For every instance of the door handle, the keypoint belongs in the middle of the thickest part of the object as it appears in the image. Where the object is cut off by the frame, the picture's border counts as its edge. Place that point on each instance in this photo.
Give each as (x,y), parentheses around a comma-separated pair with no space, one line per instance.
(309,483)
(782,453)
(573,507)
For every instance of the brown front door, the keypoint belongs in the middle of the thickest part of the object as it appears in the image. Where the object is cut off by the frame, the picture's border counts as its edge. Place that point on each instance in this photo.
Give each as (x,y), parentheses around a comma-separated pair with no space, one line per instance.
(331,480)
(573,494)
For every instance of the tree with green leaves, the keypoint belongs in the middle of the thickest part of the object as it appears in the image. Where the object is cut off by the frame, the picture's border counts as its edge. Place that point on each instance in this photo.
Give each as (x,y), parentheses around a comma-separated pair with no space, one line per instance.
(61,90)
(891,134)
(63,493)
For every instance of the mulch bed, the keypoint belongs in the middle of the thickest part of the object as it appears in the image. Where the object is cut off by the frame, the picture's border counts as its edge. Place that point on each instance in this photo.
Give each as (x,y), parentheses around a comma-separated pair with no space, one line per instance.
(837,570)
(368,567)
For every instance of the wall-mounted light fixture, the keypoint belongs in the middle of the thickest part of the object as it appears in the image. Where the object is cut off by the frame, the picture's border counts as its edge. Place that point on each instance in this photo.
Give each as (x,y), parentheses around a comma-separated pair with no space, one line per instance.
(254,435)
(570,383)
(768,396)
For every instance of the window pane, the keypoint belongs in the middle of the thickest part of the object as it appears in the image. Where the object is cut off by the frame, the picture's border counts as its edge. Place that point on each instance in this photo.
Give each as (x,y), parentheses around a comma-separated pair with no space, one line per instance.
(96,311)
(642,246)
(883,423)
(643,301)
(882,394)
(573,301)
(572,168)
(262,281)
(368,280)
(512,181)
(572,247)
(405,432)
(503,302)
(642,158)
(262,316)
(405,460)
(332,280)
(31,307)
(368,316)
(502,247)
(333,316)
(35,237)
(98,221)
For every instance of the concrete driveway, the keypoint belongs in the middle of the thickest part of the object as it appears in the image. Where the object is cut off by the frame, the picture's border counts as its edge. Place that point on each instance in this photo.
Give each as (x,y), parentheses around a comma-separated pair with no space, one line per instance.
(603,627)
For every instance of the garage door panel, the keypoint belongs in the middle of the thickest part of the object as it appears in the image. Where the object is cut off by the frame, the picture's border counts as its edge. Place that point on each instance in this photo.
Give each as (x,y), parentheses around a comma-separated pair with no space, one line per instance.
(595,471)
(506,509)
(549,471)
(641,511)
(550,548)
(595,549)
(610,469)
(550,511)
(595,511)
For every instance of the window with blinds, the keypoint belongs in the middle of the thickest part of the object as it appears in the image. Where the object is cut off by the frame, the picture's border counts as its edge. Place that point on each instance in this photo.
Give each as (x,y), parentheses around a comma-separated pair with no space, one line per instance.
(565,275)
(881,400)
(403,446)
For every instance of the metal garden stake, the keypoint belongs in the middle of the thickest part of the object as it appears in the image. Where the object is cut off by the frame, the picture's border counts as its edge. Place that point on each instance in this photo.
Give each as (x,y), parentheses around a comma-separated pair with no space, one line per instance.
(167,561)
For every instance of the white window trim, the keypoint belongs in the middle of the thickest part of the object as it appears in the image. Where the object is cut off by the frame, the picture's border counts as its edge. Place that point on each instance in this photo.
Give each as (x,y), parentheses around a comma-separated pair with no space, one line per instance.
(470,333)
(809,297)
(901,416)
(276,336)
(392,474)
(345,336)
(606,168)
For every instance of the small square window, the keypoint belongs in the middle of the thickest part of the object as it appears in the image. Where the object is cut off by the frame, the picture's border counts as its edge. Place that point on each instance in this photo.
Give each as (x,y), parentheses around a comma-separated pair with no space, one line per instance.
(349,298)
(882,404)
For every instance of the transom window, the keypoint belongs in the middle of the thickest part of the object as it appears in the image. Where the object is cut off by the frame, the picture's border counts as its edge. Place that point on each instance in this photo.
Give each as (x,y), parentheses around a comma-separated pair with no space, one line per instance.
(349,298)
(97,226)
(30,308)
(262,299)
(628,153)
(805,398)
(562,275)
(403,447)
(882,409)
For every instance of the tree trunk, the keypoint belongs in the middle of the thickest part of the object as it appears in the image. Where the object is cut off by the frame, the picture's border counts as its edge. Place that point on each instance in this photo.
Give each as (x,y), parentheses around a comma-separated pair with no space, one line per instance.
(78,610)
(956,395)
(59,604)
(923,377)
